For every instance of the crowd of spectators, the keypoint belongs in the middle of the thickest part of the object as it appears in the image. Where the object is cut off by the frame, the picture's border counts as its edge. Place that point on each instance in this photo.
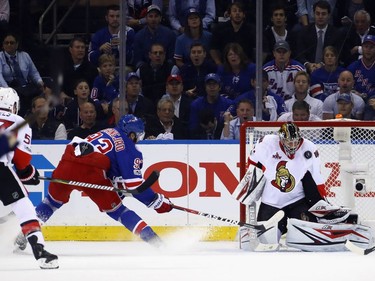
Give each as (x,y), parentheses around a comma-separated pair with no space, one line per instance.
(190,68)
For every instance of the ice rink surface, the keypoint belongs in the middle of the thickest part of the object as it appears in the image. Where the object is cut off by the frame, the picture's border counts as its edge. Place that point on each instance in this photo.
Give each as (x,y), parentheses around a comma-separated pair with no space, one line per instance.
(184,258)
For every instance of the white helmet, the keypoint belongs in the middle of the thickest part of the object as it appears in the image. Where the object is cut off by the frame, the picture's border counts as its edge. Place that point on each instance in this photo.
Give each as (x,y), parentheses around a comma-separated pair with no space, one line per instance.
(9,100)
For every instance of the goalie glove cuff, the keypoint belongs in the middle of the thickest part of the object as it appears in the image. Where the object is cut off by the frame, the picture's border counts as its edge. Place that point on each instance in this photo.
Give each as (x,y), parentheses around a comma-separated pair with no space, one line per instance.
(161,204)
(29,175)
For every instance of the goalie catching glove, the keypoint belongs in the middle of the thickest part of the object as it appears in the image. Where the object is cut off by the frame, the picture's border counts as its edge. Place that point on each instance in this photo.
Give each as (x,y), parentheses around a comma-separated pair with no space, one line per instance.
(161,204)
(29,175)
(328,213)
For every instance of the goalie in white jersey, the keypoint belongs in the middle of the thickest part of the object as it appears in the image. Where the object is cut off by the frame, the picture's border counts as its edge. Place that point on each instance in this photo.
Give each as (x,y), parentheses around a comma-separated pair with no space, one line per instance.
(294,184)
(16,171)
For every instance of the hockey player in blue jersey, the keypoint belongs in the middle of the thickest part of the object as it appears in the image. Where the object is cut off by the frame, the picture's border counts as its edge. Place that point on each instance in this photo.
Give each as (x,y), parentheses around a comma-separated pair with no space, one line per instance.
(105,158)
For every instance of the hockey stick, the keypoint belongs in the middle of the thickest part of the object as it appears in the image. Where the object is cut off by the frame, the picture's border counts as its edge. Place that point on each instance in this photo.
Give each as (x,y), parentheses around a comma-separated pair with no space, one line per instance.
(144,186)
(358,250)
(260,227)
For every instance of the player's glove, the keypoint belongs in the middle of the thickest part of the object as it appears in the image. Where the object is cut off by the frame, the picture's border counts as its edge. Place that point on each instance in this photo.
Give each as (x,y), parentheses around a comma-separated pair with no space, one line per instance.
(29,175)
(161,204)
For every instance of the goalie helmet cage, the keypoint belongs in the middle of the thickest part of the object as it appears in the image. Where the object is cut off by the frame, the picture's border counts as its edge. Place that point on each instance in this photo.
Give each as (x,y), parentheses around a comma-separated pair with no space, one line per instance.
(347,154)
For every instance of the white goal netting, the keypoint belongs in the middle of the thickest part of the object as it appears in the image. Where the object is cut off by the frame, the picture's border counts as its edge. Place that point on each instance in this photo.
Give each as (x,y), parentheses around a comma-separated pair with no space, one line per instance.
(347,152)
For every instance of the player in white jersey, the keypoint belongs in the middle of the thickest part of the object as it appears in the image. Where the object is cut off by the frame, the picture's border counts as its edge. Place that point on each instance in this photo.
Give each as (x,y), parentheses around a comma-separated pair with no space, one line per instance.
(12,190)
(291,166)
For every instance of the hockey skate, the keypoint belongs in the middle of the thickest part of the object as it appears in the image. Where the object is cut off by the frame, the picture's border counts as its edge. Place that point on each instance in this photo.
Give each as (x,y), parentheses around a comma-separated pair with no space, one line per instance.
(20,242)
(45,259)
(328,213)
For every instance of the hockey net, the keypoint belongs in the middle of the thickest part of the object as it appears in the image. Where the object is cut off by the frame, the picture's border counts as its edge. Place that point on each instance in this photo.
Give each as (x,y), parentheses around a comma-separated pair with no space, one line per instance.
(347,151)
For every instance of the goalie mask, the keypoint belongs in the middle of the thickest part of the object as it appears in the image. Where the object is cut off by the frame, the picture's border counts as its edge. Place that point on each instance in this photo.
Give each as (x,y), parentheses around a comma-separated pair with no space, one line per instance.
(9,100)
(290,138)
(132,126)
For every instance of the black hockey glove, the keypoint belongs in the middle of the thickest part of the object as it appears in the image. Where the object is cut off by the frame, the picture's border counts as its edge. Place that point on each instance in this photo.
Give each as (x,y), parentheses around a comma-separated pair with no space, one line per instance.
(29,175)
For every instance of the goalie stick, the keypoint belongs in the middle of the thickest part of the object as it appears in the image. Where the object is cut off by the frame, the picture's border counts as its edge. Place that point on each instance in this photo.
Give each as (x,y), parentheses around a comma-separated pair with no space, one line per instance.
(144,186)
(260,227)
(358,250)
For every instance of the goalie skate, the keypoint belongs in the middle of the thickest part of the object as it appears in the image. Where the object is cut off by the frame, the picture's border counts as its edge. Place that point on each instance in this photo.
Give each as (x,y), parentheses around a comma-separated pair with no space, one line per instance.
(328,213)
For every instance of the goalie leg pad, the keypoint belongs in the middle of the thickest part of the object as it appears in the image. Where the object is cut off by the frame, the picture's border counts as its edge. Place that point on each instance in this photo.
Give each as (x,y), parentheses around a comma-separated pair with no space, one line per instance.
(318,237)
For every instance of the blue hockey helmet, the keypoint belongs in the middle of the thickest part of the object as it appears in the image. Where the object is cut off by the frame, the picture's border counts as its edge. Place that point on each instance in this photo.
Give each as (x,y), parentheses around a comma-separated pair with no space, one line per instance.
(132,126)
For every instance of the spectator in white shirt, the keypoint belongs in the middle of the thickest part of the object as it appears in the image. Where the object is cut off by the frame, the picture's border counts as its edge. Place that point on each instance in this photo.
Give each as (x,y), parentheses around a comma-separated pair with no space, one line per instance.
(301,92)
(300,112)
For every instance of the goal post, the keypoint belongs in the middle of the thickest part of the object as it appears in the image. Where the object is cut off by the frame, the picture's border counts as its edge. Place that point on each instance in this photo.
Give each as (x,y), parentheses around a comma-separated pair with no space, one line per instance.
(347,154)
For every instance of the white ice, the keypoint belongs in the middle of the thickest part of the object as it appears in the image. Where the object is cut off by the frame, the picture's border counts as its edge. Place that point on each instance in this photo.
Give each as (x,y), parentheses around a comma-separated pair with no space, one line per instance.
(184,258)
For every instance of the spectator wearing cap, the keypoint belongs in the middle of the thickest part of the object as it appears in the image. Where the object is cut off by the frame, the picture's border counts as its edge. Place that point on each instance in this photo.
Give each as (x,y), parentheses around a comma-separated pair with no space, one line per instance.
(175,92)
(346,83)
(272,104)
(138,105)
(345,106)
(235,30)
(301,92)
(137,10)
(167,126)
(363,70)
(178,11)
(106,84)
(195,70)
(154,73)
(106,40)
(236,71)
(300,112)
(193,32)
(153,32)
(211,101)
(281,70)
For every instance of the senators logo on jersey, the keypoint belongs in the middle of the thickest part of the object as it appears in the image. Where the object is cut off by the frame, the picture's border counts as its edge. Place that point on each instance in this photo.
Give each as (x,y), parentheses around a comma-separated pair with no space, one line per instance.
(284,181)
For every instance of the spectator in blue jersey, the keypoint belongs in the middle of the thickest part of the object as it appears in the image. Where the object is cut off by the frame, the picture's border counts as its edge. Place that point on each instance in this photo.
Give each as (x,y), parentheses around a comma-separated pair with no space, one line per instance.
(106,84)
(118,163)
(272,104)
(236,72)
(194,72)
(346,84)
(193,32)
(363,70)
(153,32)
(281,70)
(178,11)
(137,11)
(301,92)
(324,79)
(154,73)
(107,39)
(211,101)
